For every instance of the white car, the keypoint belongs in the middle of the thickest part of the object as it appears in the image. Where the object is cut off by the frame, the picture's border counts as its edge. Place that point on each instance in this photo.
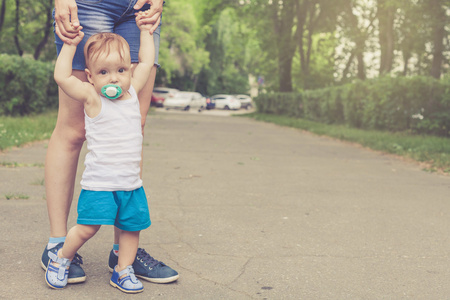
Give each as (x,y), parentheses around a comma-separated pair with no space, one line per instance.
(226,102)
(164,92)
(246,101)
(186,101)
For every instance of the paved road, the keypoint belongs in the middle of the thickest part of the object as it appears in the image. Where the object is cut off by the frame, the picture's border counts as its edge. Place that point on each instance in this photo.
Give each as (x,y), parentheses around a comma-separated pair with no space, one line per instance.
(250,210)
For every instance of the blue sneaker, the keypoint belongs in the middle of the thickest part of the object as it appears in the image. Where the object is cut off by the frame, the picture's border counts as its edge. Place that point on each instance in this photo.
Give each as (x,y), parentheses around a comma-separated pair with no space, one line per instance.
(126,281)
(147,268)
(57,276)
(76,273)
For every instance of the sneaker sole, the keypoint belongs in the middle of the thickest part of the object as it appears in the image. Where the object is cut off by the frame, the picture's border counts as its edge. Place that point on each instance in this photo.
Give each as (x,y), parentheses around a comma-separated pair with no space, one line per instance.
(125,291)
(154,280)
(159,280)
(70,280)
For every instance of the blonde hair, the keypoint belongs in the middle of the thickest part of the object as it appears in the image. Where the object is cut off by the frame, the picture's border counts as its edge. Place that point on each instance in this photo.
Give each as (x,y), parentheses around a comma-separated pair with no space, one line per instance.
(105,42)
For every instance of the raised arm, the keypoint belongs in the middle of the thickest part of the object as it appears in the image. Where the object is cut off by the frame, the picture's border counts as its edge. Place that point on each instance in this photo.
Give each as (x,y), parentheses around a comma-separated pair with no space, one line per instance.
(70,84)
(146,54)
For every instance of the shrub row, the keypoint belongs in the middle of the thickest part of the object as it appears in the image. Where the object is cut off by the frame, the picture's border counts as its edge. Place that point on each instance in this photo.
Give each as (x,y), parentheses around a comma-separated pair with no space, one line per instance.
(415,104)
(26,86)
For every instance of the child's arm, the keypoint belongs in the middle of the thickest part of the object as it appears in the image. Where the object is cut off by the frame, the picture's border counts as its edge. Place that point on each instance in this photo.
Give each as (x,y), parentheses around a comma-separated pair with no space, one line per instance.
(146,54)
(70,84)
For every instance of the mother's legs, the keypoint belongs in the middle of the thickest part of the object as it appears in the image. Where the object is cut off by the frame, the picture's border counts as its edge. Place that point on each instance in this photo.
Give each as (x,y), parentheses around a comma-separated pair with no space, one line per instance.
(62,160)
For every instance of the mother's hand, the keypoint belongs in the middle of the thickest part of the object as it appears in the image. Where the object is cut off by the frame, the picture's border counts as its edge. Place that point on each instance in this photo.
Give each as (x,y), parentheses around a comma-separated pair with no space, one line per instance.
(67,24)
(152,15)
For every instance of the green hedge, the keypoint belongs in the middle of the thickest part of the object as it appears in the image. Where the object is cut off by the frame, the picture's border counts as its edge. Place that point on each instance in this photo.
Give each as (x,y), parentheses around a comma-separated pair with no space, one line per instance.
(26,86)
(415,104)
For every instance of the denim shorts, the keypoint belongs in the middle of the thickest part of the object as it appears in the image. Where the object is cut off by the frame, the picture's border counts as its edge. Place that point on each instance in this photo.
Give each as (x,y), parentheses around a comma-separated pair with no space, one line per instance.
(108,16)
(127,210)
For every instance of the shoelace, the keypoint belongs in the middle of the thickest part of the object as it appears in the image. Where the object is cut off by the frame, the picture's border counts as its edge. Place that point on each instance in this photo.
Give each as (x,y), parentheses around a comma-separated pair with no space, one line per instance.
(131,274)
(77,259)
(147,258)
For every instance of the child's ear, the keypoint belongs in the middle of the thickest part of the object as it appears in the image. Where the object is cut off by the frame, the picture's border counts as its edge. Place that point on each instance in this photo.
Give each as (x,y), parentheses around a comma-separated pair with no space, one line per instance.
(89,75)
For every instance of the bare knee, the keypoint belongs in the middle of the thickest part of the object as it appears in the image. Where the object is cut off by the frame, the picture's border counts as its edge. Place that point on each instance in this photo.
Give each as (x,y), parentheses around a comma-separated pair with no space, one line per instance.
(72,136)
(85,232)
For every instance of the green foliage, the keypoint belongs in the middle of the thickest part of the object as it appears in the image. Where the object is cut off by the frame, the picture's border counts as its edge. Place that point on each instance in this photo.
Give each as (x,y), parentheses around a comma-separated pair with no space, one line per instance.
(32,28)
(226,72)
(181,50)
(417,104)
(27,86)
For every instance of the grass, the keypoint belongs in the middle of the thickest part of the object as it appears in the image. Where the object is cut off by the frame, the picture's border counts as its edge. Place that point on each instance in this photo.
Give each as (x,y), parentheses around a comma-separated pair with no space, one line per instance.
(16,197)
(431,150)
(18,131)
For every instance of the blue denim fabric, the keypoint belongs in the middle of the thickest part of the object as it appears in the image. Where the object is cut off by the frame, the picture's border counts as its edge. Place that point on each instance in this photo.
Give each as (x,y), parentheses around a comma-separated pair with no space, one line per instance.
(108,16)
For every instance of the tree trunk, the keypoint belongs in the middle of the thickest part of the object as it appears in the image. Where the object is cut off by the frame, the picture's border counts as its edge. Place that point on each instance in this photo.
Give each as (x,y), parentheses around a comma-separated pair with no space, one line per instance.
(307,19)
(406,57)
(286,74)
(359,39)
(361,65)
(47,30)
(2,14)
(16,31)
(301,21)
(348,65)
(284,21)
(439,34)
(386,18)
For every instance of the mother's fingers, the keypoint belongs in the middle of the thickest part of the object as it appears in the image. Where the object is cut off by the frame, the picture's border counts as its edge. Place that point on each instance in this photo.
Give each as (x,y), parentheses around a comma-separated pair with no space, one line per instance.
(155,26)
(145,18)
(66,19)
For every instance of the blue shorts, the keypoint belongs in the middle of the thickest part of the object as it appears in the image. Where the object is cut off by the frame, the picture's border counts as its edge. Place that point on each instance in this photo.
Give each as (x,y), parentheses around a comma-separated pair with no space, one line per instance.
(127,210)
(108,16)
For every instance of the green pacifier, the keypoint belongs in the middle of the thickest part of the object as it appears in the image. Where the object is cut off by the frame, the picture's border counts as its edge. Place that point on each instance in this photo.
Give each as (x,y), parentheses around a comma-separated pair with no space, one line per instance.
(111,91)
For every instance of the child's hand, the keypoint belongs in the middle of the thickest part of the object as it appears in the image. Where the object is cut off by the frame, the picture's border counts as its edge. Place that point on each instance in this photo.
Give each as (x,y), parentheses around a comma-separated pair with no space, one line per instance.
(142,21)
(77,39)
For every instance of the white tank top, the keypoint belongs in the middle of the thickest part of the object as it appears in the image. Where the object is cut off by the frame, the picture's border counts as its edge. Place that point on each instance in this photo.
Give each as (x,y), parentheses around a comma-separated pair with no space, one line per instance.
(114,141)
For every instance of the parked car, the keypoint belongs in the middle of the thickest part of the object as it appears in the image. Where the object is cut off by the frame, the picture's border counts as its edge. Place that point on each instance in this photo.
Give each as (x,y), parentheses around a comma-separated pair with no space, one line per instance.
(226,102)
(185,101)
(246,101)
(157,101)
(164,92)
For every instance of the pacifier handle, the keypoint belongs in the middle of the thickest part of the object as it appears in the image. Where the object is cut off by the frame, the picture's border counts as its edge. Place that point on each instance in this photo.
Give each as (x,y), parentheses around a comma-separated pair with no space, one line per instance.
(111,91)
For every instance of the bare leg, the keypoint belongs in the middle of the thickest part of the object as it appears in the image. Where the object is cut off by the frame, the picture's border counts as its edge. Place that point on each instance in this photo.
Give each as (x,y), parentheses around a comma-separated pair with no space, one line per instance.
(77,236)
(129,241)
(62,159)
(145,97)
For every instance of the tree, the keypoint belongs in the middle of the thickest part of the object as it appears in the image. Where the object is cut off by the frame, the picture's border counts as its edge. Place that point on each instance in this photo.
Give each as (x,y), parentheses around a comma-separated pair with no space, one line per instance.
(386,16)
(47,7)
(283,23)
(440,20)
(2,14)
(181,50)
(314,18)
(16,29)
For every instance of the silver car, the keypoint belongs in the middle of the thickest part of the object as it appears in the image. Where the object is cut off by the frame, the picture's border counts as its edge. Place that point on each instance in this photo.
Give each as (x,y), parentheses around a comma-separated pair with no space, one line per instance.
(186,101)
(246,101)
(164,92)
(226,102)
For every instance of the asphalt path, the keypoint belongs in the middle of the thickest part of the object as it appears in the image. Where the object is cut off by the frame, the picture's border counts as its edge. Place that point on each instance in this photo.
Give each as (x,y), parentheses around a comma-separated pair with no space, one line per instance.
(249,210)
